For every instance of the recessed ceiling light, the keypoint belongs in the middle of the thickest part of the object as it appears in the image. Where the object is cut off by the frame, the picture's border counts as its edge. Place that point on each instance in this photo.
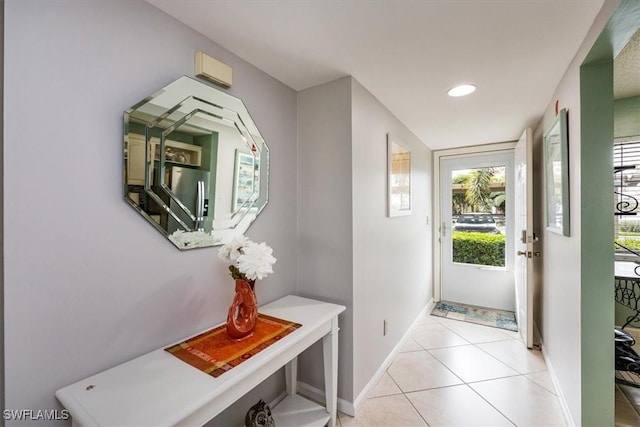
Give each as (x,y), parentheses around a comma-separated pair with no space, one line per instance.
(461,90)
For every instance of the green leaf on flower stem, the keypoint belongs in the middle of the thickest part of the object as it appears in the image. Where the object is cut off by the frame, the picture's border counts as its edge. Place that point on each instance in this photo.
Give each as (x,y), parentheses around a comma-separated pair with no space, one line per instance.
(235,273)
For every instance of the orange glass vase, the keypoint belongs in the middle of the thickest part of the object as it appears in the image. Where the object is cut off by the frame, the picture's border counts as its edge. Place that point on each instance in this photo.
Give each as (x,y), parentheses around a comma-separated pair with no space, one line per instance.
(241,319)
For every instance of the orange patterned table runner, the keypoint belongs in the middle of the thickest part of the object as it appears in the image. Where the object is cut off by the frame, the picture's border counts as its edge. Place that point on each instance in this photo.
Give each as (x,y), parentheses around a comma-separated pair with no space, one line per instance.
(214,353)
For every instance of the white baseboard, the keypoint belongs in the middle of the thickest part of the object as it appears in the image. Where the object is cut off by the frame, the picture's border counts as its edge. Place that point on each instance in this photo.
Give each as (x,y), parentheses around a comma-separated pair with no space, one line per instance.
(350,408)
(278,399)
(566,413)
(537,338)
(316,394)
(359,400)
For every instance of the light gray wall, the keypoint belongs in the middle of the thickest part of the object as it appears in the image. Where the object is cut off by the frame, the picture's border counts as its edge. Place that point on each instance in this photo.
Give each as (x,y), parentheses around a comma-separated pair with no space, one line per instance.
(325,228)
(88,282)
(392,274)
(350,252)
(562,290)
(2,389)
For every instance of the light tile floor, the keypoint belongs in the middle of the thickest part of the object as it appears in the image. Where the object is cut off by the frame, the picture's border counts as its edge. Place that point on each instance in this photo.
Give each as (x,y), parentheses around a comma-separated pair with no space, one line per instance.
(452,373)
(627,404)
(628,398)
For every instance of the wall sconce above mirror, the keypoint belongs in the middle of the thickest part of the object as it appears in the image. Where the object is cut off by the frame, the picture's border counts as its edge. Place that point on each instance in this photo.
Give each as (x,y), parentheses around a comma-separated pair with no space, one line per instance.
(195,164)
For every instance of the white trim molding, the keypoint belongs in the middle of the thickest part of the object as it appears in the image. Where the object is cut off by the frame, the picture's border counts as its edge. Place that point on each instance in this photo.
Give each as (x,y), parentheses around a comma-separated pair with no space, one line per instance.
(437,156)
(350,408)
(564,407)
(317,395)
(359,400)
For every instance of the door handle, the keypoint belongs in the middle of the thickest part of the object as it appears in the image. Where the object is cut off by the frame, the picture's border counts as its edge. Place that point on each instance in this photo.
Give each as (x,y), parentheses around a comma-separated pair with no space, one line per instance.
(528,254)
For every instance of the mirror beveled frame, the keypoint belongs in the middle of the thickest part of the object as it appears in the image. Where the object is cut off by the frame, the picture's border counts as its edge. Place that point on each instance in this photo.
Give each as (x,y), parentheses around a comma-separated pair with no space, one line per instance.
(195,165)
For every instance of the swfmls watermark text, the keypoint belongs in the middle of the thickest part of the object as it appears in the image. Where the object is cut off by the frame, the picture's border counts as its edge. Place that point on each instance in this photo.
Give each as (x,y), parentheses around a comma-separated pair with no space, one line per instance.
(35,414)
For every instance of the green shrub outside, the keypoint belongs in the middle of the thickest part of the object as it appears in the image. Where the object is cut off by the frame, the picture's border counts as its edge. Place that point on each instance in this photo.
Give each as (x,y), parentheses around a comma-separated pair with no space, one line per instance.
(633,244)
(478,248)
(630,226)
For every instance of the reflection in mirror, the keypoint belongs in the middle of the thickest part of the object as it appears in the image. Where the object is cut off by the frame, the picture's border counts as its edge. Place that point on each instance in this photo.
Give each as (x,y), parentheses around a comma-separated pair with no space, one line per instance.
(195,164)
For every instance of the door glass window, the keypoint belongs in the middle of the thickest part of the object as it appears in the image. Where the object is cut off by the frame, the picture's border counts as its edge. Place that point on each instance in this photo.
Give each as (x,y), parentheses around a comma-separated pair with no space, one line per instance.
(478,216)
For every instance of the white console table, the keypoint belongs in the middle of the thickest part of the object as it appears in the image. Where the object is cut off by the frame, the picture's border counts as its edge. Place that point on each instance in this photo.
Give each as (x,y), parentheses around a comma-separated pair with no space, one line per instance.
(158,389)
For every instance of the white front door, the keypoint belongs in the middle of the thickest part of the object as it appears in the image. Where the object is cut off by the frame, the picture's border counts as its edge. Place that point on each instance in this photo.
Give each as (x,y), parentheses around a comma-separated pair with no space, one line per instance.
(524,237)
(477,248)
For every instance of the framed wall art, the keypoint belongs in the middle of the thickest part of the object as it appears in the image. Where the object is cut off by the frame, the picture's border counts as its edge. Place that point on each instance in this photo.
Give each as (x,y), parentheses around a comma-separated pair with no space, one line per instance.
(399,177)
(556,176)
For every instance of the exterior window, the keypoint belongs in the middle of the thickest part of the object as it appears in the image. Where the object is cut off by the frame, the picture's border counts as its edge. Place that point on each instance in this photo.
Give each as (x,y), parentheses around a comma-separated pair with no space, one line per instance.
(626,163)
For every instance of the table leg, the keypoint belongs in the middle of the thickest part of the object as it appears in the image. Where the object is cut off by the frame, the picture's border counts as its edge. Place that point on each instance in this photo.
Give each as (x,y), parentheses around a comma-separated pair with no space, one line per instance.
(291,376)
(330,356)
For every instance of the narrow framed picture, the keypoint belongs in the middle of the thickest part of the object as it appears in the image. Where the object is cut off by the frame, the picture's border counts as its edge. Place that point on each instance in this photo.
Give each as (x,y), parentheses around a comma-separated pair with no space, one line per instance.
(398,177)
(556,175)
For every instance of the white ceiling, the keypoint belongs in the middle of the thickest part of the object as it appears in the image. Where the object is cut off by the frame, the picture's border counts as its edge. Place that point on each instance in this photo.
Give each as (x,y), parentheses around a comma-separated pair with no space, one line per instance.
(408,53)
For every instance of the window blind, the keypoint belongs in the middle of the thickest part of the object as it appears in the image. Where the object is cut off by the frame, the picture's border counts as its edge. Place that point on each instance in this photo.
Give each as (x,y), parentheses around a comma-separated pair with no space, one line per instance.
(626,162)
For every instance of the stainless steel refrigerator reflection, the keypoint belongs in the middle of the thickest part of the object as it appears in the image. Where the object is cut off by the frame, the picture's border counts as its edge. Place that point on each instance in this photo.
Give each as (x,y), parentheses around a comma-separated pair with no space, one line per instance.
(191,186)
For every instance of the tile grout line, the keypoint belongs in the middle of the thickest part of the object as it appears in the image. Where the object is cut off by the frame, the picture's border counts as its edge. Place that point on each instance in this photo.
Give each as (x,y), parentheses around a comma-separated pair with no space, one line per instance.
(414,407)
(436,359)
(490,404)
(463,382)
(448,369)
(428,350)
(519,373)
(506,337)
(482,397)
(471,388)
(486,352)
(504,363)
(404,394)
(456,385)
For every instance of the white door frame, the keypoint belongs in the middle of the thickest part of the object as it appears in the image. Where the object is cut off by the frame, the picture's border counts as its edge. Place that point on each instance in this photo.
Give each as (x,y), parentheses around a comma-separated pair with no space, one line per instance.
(437,222)
(493,286)
(524,244)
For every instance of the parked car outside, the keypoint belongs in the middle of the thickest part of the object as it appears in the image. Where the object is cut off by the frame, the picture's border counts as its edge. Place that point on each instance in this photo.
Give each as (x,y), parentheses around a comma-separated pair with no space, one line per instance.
(478,222)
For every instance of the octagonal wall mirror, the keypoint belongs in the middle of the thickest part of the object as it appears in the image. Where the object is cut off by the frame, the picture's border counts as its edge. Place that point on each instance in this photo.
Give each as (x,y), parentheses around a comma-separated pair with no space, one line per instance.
(195,164)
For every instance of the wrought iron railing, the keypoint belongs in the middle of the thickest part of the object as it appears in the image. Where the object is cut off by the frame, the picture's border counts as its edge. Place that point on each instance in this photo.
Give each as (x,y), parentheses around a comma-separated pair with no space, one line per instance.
(627,293)
(626,204)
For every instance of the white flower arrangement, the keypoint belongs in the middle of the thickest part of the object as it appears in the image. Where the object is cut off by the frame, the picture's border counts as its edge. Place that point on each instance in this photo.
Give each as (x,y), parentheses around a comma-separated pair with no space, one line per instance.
(248,260)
